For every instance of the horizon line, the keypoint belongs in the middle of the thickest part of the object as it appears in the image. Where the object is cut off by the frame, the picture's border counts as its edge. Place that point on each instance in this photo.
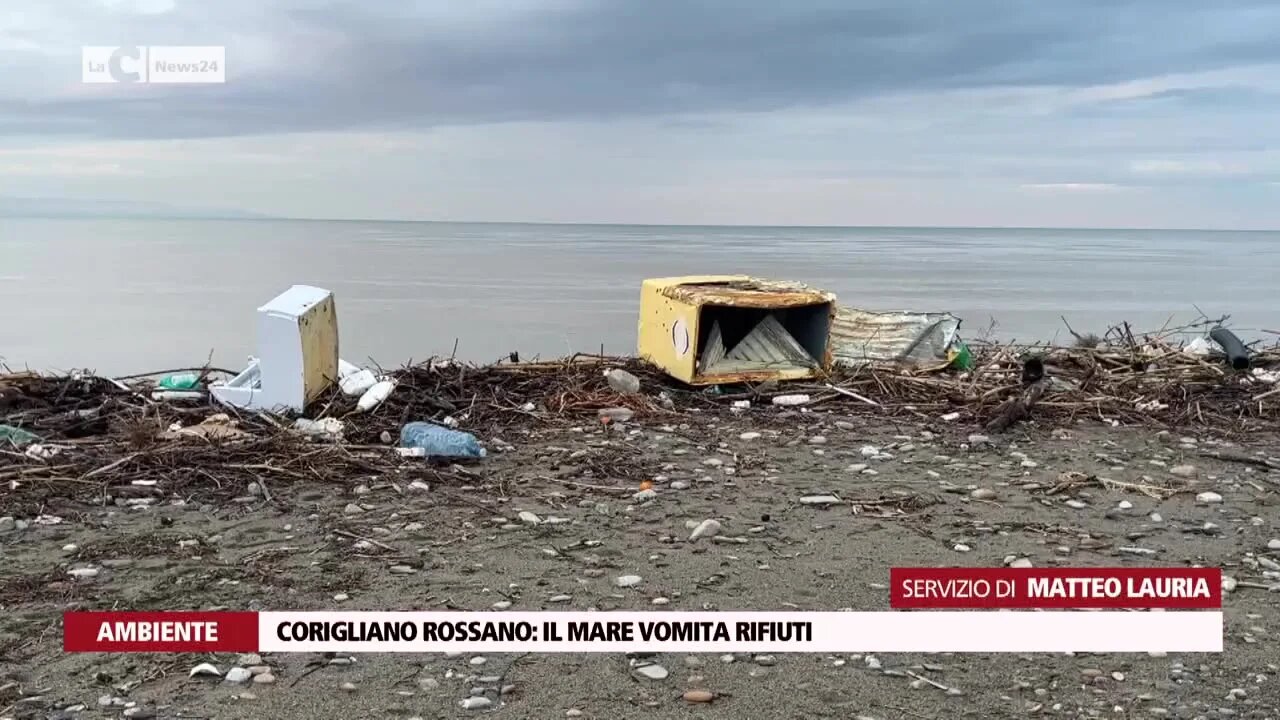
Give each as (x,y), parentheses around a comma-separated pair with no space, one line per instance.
(287,218)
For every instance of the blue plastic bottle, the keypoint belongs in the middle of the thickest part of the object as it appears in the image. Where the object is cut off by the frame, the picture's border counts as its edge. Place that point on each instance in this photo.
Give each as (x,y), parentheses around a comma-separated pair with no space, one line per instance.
(439,441)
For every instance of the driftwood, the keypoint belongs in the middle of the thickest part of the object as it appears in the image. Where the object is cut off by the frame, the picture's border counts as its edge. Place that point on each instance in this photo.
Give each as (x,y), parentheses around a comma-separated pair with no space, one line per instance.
(1019,408)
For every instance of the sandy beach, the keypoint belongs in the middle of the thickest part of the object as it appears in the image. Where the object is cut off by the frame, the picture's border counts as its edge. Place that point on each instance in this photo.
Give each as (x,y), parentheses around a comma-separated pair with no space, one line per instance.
(918,491)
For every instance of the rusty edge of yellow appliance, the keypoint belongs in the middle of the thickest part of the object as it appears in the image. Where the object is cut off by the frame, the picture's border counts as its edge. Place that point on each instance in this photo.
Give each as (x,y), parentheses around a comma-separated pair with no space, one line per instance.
(673,310)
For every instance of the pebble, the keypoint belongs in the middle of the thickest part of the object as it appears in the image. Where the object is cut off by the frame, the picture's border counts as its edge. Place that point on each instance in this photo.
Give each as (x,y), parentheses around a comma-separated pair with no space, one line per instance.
(1183,470)
(1273,544)
(653,672)
(347,687)
(238,675)
(983,494)
(1228,583)
(573,712)
(679,485)
(1117,676)
(476,703)
(70,548)
(856,468)
(1125,505)
(402,570)
(698,696)
(817,440)
(1021,563)
(83,573)
(502,605)
(265,678)
(979,439)
(1156,517)
(1076,504)
(626,581)
(870,451)
(645,496)
(1209,498)
(749,436)
(7,524)
(766,660)
(1030,464)
(529,518)
(352,509)
(706,528)
(961,547)
(819,500)
(341,597)
(479,660)
(951,417)
(727,659)
(559,598)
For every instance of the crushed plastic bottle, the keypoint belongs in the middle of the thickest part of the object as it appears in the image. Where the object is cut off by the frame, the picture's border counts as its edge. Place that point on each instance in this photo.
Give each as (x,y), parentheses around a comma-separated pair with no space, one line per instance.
(616,414)
(622,381)
(437,441)
(327,429)
(181,381)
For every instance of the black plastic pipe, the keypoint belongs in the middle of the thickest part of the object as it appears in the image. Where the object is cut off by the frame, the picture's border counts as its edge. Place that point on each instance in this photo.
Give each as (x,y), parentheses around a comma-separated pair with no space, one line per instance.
(1236,352)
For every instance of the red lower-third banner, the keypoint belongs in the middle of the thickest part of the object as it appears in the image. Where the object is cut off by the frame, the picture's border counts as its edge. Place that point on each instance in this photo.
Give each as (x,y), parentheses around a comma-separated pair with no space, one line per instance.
(160,631)
(654,631)
(1056,588)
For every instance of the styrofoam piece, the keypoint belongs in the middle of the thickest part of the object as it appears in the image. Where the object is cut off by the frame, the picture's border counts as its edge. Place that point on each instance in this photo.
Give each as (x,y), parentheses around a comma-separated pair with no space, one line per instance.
(358,382)
(374,396)
(345,368)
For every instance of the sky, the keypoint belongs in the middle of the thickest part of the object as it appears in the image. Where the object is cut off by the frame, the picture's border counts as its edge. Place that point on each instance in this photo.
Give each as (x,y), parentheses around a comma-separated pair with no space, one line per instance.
(1032,113)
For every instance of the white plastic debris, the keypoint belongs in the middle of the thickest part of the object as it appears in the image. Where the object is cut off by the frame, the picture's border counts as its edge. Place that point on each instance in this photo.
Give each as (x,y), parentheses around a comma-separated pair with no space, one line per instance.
(790,400)
(345,369)
(327,428)
(1199,346)
(374,396)
(358,382)
(1269,378)
(706,528)
(204,670)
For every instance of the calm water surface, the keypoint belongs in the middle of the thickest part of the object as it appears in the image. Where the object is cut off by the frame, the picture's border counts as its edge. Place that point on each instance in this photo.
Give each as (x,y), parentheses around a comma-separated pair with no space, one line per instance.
(124,296)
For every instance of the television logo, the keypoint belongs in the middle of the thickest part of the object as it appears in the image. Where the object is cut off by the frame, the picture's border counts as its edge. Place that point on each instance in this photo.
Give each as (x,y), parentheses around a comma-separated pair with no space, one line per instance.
(175,64)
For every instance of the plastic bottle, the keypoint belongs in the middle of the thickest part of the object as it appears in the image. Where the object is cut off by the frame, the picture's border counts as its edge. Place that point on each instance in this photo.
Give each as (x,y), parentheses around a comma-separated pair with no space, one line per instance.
(181,381)
(437,441)
(617,414)
(622,381)
(959,356)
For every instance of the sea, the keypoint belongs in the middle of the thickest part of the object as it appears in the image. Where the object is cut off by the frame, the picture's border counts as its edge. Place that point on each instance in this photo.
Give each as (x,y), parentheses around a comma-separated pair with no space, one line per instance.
(123,296)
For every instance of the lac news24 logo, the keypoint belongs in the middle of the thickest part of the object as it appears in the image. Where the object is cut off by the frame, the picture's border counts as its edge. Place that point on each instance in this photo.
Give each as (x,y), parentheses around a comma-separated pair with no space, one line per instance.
(155,64)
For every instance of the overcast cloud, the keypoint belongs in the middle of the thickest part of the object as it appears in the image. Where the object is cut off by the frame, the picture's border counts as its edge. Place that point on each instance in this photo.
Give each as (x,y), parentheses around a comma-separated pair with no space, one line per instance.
(1055,112)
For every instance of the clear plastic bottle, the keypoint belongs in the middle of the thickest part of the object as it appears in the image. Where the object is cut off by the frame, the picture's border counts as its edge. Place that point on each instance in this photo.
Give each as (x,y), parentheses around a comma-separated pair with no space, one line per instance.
(439,441)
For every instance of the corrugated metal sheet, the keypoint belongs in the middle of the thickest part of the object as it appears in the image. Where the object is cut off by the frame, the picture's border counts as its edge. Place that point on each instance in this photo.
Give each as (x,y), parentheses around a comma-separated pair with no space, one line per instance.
(859,337)
(769,343)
